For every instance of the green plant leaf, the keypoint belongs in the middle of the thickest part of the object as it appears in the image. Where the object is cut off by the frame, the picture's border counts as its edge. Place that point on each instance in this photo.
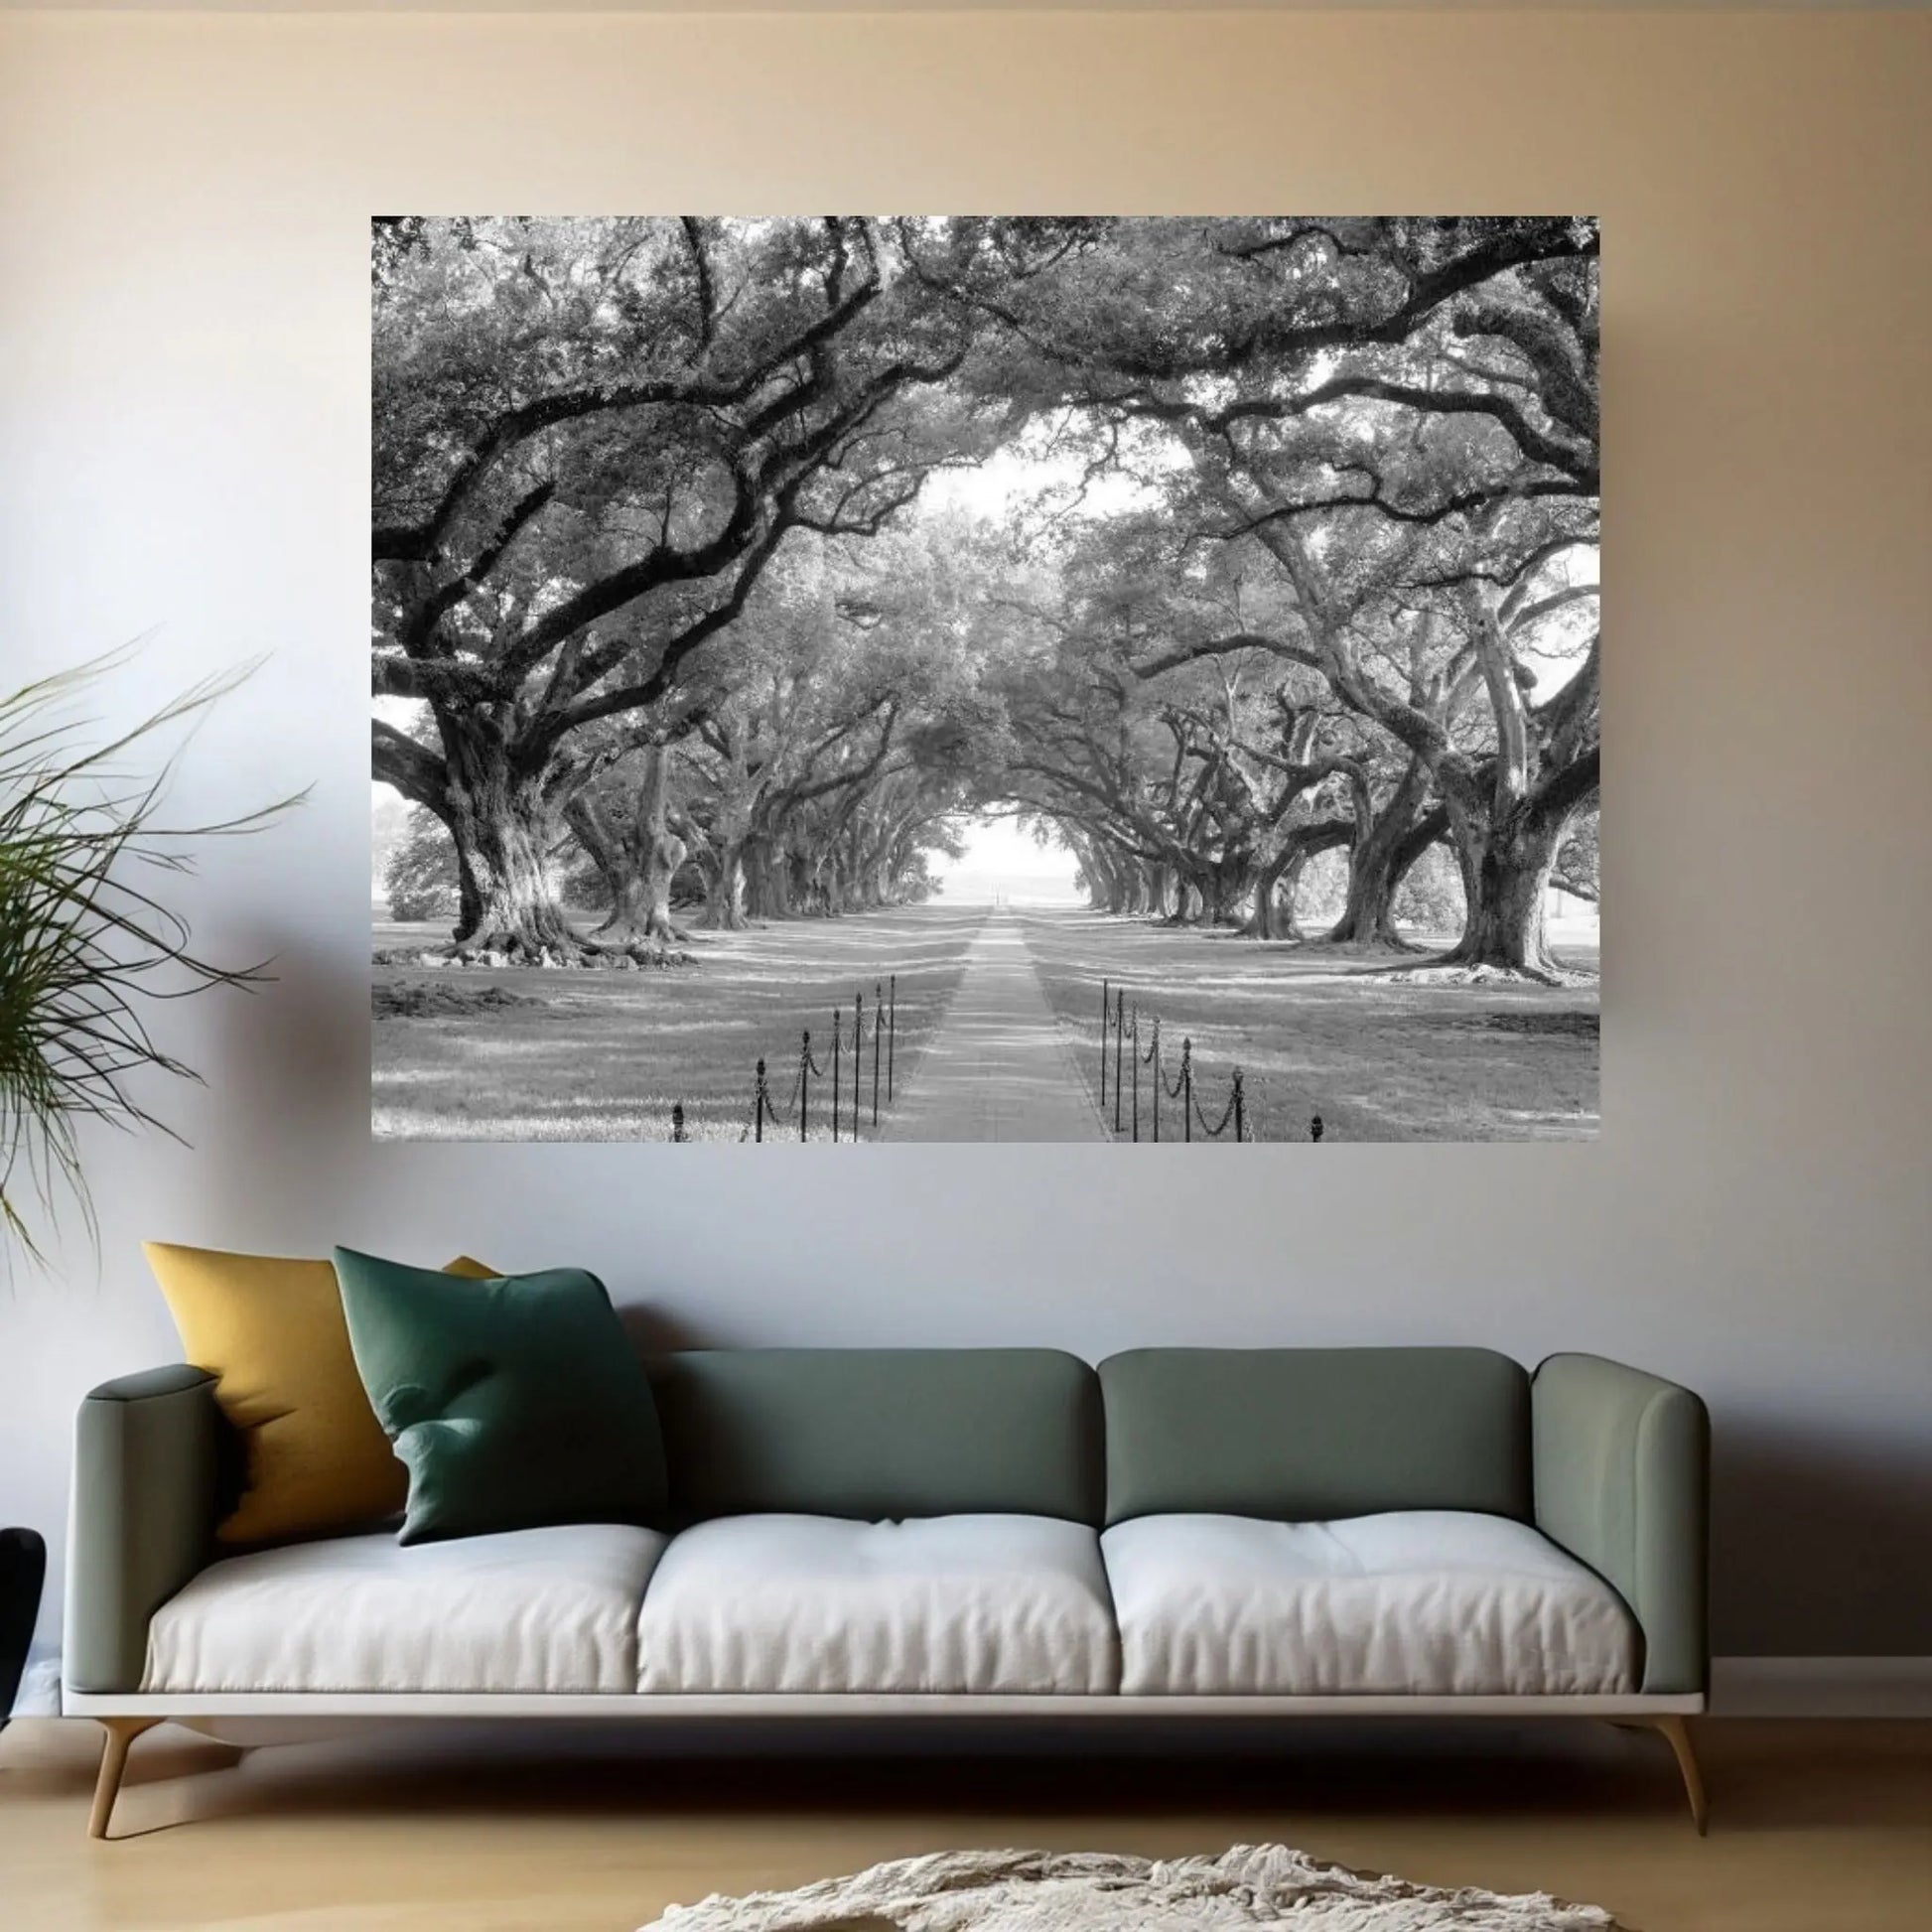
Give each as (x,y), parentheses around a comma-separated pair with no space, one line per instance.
(84,947)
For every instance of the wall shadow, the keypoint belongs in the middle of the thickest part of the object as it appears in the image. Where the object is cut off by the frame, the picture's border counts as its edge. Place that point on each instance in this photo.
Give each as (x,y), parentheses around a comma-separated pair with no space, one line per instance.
(1819,1543)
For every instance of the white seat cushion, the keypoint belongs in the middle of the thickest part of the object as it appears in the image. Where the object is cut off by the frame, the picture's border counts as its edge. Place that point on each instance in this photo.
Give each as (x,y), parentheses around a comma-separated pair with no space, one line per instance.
(546,1609)
(1426,1603)
(815,1603)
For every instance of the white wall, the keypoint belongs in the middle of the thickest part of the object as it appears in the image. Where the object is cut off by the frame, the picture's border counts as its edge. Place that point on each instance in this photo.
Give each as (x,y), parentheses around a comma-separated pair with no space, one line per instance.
(183,420)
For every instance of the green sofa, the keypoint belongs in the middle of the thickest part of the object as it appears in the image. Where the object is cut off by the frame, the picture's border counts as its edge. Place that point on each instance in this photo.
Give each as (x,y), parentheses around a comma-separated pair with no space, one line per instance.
(1249,1534)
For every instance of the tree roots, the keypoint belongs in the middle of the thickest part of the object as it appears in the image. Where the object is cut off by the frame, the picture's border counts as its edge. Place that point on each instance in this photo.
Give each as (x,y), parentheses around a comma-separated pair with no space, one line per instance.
(580,955)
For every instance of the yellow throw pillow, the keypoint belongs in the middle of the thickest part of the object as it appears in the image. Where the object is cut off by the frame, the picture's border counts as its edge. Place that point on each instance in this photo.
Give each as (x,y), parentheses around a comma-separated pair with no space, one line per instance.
(272,1334)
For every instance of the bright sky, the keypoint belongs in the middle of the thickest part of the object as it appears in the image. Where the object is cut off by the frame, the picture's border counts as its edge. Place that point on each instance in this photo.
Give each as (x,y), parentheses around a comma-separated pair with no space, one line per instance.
(1011,478)
(1003,861)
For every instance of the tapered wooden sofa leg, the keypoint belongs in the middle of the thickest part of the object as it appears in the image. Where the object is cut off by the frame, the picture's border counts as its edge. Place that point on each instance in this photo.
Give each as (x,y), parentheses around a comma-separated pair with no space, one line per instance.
(1678,1734)
(121,1732)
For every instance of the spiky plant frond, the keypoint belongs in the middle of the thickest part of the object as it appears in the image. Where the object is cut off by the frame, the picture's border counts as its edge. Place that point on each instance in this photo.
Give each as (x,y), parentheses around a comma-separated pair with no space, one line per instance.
(86,943)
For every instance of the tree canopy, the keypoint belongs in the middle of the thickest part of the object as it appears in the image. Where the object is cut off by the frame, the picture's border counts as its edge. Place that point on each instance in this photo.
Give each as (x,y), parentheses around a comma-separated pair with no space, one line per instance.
(745,556)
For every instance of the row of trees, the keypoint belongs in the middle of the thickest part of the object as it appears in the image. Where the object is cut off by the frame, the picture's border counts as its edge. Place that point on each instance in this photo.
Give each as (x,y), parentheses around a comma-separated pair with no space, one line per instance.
(1297,557)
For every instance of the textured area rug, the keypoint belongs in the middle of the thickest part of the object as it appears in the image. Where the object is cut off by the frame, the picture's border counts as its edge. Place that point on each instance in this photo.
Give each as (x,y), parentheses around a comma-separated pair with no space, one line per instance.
(1054,1892)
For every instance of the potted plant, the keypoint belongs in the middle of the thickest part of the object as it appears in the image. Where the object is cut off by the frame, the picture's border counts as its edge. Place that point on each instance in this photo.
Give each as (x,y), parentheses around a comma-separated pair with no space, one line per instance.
(86,944)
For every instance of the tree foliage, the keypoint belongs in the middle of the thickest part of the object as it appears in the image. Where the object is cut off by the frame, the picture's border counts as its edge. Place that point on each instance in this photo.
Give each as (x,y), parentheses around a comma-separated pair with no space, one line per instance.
(419,881)
(1296,557)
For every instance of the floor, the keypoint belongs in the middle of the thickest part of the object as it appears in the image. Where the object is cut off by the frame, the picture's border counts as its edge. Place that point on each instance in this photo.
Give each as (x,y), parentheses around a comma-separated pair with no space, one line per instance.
(1817,1828)
(999,1066)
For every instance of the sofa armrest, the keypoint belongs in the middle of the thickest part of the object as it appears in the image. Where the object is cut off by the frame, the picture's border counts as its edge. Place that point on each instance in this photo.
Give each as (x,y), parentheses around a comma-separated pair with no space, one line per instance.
(147,1469)
(1623,1482)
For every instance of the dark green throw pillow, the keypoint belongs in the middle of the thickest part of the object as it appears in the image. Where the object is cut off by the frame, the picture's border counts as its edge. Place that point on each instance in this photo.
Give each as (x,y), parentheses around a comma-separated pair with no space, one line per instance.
(513,1401)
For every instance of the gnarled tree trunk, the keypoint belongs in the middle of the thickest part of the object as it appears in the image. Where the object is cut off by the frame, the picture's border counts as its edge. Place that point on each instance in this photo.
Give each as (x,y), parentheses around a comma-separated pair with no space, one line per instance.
(1223,889)
(724,904)
(502,823)
(1378,861)
(1107,890)
(1272,915)
(638,861)
(1510,821)
(468,902)
(1506,868)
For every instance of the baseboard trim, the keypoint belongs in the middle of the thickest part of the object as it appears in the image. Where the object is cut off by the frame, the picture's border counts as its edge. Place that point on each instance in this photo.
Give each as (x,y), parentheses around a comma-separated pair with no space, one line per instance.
(1821,1686)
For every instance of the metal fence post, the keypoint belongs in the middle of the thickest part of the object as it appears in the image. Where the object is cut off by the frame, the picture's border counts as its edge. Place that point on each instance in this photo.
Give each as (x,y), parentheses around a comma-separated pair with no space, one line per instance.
(804,1083)
(1314,1127)
(838,1036)
(891,1037)
(1120,1013)
(858,1056)
(1186,1087)
(1106,1002)
(1239,1108)
(677,1120)
(758,1107)
(1160,1080)
(878,1018)
(1137,1073)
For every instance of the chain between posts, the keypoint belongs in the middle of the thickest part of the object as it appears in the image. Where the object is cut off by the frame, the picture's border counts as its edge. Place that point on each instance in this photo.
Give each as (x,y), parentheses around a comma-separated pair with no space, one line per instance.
(1230,1113)
(811,1066)
(765,1108)
(1121,1033)
(1180,1081)
(1123,1055)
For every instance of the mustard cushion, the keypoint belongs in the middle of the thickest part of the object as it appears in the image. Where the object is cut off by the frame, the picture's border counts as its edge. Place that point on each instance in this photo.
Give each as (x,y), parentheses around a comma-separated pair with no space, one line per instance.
(271,1331)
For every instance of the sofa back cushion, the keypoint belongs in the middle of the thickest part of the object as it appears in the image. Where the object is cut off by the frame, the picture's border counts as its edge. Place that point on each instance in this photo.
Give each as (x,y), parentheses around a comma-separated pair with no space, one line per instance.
(1309,1435)
(878,1432)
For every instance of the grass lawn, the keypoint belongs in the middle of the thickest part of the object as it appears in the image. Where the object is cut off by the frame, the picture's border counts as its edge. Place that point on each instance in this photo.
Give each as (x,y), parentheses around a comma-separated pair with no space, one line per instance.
(603,1055)
(1326,1033)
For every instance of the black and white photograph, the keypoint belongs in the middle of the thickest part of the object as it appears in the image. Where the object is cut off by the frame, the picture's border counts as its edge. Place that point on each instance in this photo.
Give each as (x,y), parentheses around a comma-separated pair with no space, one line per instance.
(985,678)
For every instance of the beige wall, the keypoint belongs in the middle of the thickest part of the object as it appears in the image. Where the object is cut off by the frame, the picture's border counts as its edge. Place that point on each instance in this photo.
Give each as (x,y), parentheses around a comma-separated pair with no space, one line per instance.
(183,398)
